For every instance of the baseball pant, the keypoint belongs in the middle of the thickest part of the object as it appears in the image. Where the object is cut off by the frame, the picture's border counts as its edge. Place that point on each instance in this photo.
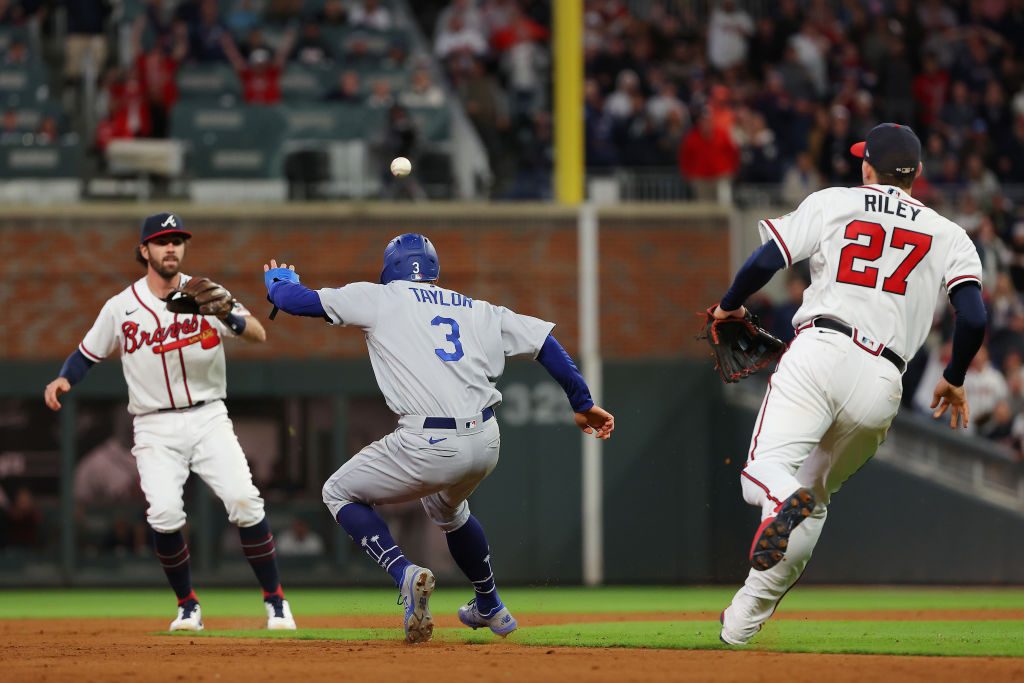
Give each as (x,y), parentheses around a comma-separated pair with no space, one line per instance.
(440,467)
(169,445)
(827,409)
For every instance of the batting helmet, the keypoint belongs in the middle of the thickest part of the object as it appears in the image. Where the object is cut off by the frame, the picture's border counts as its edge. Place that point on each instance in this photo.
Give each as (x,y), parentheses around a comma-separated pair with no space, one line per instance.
(410,257)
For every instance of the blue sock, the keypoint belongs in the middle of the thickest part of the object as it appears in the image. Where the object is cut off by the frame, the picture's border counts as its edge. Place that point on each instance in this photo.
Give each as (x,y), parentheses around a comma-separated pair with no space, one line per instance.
(365,527)
(469,549)
(259,549)
(172,551)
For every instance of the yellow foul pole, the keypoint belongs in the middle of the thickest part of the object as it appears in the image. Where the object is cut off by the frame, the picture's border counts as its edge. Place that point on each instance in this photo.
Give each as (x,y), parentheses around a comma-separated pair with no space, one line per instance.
(568,87)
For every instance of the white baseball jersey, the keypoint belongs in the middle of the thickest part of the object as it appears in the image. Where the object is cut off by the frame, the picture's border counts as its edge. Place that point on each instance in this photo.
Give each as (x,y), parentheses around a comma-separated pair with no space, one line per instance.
(169,360)
(434,352)
(878,258)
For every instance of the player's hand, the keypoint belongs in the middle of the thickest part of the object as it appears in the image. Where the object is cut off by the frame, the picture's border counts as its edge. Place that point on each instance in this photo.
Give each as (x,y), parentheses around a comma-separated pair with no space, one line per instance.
(54,390)
(596,421)
(719,314)
(947,397)
(273,264)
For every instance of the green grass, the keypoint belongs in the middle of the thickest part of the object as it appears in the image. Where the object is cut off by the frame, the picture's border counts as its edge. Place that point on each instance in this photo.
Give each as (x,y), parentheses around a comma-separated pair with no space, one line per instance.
(55,604)
(936,638)
(959,638)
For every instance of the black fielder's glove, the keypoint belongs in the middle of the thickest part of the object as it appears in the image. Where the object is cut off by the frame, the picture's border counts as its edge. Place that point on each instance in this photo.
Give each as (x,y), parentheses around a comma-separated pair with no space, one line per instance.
(200,296)
(740,346)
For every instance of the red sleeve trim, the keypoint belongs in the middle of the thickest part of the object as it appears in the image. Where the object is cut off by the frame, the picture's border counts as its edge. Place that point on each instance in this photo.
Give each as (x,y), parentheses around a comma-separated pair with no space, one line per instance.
(778,238)
(950,284)
(90,354)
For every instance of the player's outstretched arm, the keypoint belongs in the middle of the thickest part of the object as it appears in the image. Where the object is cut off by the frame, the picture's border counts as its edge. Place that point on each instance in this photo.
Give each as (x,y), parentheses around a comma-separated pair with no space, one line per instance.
(73,371)
(286,292)
(968,336)
(592,419)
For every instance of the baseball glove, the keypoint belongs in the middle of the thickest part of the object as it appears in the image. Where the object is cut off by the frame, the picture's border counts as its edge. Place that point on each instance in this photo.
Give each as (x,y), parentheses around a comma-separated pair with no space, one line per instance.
(200,296)
(740,346)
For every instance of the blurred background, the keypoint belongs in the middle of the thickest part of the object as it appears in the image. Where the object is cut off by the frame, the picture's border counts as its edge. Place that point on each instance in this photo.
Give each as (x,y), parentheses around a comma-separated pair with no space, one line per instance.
(269,125)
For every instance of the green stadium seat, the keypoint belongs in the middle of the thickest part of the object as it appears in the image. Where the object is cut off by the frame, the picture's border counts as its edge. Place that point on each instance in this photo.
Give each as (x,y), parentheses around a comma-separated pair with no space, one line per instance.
(332,122)
(208,83)
(434,123)
(39,161)
(230,142)
(301,82)
(20,85)
(29,115)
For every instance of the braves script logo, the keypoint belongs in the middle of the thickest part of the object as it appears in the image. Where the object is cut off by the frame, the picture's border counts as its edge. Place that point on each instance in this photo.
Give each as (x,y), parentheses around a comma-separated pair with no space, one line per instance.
(183,333)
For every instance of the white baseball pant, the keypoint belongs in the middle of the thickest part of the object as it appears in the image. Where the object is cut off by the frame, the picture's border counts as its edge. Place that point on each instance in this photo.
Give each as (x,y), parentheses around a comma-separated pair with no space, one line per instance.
(168,445)
(827,409)
(440,467)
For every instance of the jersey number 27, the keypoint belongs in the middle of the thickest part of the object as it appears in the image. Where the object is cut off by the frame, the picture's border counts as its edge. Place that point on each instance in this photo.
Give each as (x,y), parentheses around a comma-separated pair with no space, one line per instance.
(871,251)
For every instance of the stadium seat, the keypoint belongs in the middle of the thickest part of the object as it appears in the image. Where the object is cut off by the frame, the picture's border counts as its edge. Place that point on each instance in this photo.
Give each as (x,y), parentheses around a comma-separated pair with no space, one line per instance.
(231,142)
(19,161)
(301,82)
(332,122)
(22,85)
(209,83)
(434,123)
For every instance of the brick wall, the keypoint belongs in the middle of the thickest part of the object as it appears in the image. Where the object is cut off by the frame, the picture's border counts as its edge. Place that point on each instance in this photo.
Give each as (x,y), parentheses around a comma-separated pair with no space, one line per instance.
(657,268)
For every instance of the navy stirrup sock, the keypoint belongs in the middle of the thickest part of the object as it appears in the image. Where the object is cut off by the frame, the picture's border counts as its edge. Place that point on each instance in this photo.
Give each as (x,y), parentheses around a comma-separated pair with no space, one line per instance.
(364,526)
(172,551)
(258,546)
(469,549)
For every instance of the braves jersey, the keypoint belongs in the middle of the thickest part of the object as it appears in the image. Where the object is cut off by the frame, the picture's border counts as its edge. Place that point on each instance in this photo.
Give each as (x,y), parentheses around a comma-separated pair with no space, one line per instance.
(878,259)
(434,352)
(169,360)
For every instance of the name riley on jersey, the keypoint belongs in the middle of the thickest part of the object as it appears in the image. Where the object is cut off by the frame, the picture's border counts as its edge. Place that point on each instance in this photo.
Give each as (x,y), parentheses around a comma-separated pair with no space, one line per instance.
(882,204)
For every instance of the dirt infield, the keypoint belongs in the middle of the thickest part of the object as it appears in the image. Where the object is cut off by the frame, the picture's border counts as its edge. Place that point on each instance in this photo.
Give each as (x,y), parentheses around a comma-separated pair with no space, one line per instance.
(128,650)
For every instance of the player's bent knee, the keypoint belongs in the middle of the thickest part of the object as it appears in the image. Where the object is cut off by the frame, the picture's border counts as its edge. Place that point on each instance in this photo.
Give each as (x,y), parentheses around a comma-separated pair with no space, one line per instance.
(244,510)
(449,519)
(166,519)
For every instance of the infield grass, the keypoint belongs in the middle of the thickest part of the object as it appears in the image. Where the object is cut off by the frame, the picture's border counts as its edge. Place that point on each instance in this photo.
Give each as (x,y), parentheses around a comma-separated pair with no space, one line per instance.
(1003,638)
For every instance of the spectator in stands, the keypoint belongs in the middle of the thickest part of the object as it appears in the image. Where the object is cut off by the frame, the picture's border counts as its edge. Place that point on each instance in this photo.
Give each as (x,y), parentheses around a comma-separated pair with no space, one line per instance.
(707,157)
(458,39)
(397,54)
(333,13)
(17,53)
(129,111)
(243,17)
(283,12)
(729,31)
(836,164)
(380,96)
(9,129)
(422,91)
(370,14)
(349,88)
(810,47)
(929,89)
(209,38)
(157,68)
(533,161)
(86,43)
(620,103)
(471,15)
(800,180)
(666,102)
(47,133)
(896,83)
(982,184)
(299,541)
(261,74)
(401,139)
(519,46)
(312,47)
(23,520)
(12,13)
(759,154)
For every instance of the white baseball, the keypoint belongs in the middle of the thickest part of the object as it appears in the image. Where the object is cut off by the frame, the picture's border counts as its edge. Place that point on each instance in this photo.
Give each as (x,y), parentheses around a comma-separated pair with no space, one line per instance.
(400,166)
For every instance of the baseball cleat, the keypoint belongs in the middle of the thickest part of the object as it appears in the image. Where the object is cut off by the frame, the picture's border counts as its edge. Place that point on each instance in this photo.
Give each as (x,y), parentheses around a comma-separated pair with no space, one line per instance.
(499,620)
(417,585)
(772,537)
(190,618)
(279,615)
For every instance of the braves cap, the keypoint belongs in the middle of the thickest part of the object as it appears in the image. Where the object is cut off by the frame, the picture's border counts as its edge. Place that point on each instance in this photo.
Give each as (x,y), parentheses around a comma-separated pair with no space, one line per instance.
(162,224)
(891,149)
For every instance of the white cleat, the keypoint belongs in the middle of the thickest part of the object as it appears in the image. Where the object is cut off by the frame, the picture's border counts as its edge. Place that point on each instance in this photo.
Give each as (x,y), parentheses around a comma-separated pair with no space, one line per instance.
(417,585)
(279,617)
(190,618)
(500,621)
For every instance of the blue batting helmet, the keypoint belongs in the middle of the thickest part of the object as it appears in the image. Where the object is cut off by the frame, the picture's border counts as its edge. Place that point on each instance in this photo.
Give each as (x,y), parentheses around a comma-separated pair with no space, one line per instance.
(410,257)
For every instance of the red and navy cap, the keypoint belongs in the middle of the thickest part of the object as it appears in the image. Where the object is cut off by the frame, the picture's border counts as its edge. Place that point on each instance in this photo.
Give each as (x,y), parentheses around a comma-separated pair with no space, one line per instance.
(891,149)
(162,224)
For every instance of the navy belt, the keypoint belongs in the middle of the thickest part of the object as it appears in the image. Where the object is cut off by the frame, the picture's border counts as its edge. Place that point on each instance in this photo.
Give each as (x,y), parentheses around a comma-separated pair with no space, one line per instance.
(886,353)
(449,422)
(174,410)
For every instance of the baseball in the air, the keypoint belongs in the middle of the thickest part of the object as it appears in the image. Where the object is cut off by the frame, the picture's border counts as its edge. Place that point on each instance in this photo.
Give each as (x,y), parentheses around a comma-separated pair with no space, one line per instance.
(400,166)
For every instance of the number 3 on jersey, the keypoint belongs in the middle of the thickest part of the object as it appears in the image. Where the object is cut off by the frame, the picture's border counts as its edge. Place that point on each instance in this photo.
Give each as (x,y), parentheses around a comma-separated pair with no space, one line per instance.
(453,337)
(896,283)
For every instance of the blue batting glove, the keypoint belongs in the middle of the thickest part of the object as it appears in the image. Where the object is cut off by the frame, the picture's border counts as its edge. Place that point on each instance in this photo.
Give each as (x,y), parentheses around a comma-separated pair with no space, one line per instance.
(279,275)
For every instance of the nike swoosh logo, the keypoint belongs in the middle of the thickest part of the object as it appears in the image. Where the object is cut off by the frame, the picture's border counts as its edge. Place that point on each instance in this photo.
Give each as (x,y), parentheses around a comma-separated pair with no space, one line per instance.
(131,311)
(433,441)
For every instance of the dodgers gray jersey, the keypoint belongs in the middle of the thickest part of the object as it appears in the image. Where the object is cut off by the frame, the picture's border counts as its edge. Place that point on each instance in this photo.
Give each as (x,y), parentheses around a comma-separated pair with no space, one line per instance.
(434,352)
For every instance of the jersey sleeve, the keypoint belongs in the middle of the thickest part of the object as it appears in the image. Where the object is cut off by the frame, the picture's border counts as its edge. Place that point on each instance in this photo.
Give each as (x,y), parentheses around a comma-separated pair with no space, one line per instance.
(101,339)
(797,234)
(963,264)
(522,334)
(354,304)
